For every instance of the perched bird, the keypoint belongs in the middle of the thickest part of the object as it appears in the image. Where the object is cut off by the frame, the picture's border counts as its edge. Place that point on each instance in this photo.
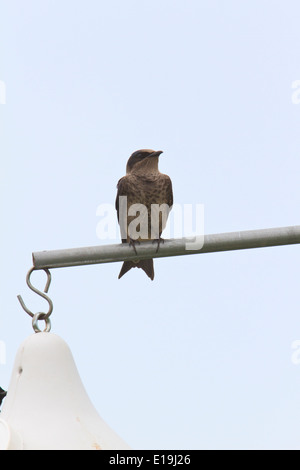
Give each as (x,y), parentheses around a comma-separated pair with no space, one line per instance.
(148,193)
(2,395)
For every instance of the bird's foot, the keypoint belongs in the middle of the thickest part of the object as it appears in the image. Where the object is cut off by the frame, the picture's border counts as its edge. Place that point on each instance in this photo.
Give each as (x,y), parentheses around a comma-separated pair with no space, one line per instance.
(132,243)
(158,241)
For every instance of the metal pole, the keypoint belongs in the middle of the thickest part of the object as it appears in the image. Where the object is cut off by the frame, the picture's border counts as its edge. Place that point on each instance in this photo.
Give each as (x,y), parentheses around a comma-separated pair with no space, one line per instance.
(174,247)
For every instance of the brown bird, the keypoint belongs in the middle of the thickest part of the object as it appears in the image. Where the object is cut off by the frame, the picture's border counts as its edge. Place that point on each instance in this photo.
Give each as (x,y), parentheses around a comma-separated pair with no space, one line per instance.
(148,193)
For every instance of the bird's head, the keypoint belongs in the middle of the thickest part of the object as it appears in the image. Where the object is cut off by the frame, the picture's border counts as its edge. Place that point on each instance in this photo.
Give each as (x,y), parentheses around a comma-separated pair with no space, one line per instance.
(143,161)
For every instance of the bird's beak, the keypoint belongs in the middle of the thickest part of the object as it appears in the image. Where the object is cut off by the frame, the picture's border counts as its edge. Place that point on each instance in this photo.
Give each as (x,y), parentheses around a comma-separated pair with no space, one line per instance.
(156,154)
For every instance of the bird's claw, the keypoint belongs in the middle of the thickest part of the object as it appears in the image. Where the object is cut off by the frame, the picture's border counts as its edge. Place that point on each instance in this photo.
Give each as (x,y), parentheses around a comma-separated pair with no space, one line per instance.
(158,241)
(132,243)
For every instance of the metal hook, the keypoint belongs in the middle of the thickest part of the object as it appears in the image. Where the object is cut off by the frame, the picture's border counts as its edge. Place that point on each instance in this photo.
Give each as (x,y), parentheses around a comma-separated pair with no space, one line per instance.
(35,323)
(42,316)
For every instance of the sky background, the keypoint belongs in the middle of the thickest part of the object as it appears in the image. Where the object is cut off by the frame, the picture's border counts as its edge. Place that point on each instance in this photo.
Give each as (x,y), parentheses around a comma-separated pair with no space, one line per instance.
(201,358)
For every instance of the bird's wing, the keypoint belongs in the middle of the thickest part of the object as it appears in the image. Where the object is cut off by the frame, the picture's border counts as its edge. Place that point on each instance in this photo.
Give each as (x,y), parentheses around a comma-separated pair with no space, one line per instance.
(123,190)
(167,199)
(169,191)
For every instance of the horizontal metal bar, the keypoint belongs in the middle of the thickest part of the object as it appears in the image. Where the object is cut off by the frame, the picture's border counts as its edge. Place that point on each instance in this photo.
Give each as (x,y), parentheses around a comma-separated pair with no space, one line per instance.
(174,247)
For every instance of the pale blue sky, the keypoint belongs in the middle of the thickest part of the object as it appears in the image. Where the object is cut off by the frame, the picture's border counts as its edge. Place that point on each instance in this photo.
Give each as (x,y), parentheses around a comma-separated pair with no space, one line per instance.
(201,357)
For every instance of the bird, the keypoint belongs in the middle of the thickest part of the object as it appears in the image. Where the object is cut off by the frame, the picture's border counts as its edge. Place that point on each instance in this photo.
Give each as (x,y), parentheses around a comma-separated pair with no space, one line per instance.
(152,190)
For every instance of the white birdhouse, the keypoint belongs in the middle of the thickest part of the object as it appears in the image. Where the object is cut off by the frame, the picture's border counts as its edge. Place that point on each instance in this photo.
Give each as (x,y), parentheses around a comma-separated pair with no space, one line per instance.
(47,407)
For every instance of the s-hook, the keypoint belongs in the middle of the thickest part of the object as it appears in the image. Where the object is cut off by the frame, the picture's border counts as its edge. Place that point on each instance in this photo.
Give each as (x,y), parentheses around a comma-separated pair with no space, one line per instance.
(40,315)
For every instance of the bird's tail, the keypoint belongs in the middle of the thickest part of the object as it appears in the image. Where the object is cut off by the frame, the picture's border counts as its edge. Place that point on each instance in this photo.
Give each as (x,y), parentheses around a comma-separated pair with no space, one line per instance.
(145,264)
